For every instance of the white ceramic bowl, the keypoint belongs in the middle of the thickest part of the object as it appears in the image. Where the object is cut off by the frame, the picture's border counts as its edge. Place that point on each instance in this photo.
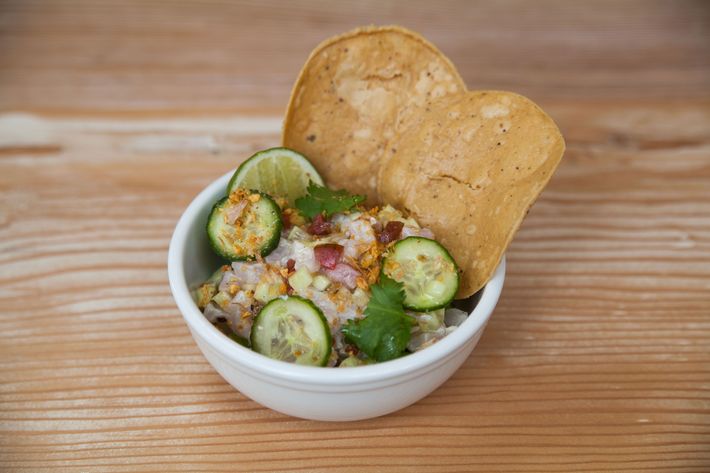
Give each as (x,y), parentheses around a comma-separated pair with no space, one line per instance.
(310,392)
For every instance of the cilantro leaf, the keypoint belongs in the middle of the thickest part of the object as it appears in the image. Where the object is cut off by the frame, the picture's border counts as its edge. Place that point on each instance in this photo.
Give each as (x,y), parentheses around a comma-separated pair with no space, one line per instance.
(321,200)
(385,330)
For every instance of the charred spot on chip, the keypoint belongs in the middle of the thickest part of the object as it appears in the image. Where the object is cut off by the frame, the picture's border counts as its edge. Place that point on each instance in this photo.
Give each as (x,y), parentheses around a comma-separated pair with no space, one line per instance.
(311,138)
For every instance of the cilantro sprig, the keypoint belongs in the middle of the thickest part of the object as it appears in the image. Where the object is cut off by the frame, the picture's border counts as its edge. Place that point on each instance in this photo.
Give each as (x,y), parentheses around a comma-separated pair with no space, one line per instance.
(321,200)
(385,330)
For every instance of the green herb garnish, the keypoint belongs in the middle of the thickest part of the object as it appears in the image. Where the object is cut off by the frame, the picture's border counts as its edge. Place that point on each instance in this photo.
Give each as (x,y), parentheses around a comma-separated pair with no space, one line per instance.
(385,330)
(321,200)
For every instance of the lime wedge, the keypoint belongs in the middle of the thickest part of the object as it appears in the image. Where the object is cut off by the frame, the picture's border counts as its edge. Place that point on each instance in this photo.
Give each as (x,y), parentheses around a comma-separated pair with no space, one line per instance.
(279,172)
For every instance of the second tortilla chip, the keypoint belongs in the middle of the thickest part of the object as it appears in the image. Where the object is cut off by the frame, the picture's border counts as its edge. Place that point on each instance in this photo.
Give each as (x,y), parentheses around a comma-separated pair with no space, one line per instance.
(469,168)
(355,92)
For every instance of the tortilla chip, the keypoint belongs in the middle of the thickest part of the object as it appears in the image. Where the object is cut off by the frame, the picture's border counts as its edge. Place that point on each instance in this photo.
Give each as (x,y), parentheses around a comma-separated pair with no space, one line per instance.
(469,168)
(353,94)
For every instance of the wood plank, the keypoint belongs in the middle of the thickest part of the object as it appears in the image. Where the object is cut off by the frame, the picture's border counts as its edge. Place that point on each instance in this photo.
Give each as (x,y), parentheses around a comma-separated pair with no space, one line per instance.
(113,116)
(213,55)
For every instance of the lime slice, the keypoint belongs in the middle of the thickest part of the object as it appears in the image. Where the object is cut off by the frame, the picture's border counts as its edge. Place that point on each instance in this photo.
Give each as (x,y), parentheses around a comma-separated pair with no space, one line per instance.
(279,172)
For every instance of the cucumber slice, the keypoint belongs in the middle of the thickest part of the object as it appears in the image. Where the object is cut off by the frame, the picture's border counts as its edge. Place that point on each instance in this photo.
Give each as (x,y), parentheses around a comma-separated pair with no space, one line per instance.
(255,232)
(427,271)
(292,329)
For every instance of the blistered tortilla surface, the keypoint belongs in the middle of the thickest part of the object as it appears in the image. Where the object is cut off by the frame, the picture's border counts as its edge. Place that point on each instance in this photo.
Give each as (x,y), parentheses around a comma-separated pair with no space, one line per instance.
(469,167)
(354,94)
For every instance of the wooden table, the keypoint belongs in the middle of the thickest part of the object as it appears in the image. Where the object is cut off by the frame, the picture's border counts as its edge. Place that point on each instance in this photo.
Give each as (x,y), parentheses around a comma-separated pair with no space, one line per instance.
(114,115)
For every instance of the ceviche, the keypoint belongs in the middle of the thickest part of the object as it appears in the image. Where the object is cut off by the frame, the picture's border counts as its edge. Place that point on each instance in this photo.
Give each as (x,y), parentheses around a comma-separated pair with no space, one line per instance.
(327,281)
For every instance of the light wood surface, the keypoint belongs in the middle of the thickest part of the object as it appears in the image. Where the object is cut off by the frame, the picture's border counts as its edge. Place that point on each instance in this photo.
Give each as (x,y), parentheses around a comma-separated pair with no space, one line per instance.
(114,115)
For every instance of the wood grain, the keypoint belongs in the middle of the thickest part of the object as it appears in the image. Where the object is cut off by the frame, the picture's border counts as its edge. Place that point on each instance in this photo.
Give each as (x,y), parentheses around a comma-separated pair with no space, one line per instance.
(114,115)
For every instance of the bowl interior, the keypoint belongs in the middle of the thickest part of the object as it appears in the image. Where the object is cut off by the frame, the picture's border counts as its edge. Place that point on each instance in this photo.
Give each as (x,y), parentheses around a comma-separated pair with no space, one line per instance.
(191,261)
(200,261)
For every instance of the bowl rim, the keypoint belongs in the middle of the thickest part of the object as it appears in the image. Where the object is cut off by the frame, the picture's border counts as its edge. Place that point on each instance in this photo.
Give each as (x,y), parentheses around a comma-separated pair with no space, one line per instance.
(280,370)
